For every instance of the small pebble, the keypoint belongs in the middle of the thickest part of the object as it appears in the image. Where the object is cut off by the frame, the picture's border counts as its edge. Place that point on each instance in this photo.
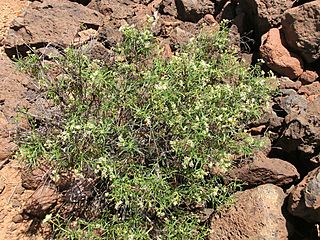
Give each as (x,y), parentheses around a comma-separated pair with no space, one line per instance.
(15,203)
(17,218)
(20,190)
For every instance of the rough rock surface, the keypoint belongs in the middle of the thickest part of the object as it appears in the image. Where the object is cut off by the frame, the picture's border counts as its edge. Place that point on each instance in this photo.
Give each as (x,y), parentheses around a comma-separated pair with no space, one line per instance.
(108,35)
(13,90)
(31,179)
(180,36)
(308,77)
(187,10)
(41,201)
(168,7)
(52,21)
(312,89)
(263,170)
(12,199)
(114,9)
(176,32)
(120,12)
(265,14)
(301,29)
(302,131)
(12,97)
(15,93)
(277,57)
(9,10)
(96,50)
(256,214)
(270,118)
(194,10)
(7,148)
(304,200)
(286,83)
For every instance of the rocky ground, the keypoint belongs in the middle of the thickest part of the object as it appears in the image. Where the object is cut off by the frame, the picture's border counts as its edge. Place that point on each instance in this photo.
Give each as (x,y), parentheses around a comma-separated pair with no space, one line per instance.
(12,95)
(282,198)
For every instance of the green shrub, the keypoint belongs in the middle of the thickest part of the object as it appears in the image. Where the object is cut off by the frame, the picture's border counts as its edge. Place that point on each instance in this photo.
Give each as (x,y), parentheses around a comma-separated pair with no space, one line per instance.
(152,132)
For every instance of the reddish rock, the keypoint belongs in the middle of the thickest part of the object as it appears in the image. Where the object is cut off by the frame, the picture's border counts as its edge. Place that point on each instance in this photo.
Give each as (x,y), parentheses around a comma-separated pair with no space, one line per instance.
(41,202)
(31,179)
(310,89)
(180,36)
(261,170)
(109,35)
(286,83)
(304,200)
(50,21)
(17,218)
(265,14)
(12,97)
(187,10)
(85,36)
(121,12)
(168,7)
(179,32)
(96,50)
(301,29)
(308,77)
(4,126)
(12,93)
(209,20)
(277,57)
(234,38)
(167,52)
(256,214)
(7,148)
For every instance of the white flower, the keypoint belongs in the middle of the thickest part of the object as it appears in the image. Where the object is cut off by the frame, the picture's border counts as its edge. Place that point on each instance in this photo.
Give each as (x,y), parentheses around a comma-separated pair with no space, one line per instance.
(161,86)
(118,204)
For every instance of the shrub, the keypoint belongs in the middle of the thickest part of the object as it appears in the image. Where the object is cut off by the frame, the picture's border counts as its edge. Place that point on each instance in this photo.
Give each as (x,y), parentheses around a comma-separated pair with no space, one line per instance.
(150,132)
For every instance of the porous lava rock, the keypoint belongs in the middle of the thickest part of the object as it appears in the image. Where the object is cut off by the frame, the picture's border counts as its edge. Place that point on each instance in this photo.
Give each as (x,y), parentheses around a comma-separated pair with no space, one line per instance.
(304,200)
(187,10)
(41,202)
(301,27)
(265,14)
(256,214)
(54,22)
(12,98)
(32,178)
(277,57)
(312,89)
(308,77)
(286,83)
(261,170)
(114,9)
(302,130)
